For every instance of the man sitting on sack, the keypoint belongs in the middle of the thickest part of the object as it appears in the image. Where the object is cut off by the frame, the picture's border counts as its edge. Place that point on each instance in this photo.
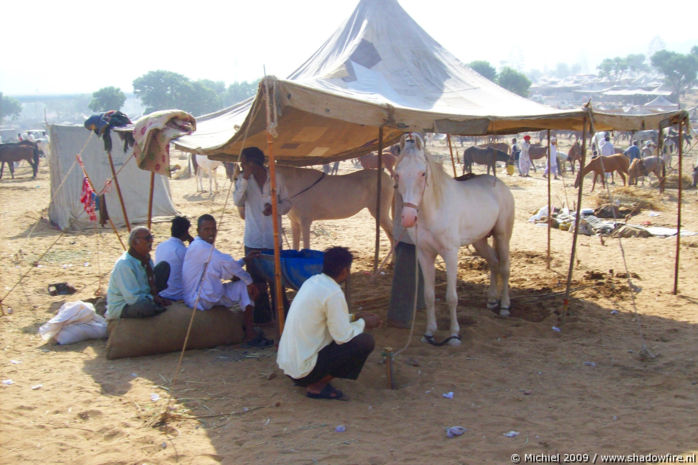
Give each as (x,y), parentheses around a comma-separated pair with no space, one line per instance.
(135,284)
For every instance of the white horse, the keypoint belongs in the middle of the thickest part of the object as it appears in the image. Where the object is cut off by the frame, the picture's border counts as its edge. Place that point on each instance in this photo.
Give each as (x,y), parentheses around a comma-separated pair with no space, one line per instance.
(317,196)
(442,215)
(208,166)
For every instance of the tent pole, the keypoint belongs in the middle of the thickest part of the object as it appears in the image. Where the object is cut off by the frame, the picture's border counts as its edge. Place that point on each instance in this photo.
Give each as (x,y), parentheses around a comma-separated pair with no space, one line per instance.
(275,217)
(450,149)
(550,211)
(118,190)
(150,198)
(577,218)
(379,185)
(111,223)
(678,214)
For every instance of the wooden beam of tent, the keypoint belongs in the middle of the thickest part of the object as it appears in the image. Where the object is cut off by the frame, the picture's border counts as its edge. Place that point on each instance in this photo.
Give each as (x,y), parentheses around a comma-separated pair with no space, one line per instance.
(150,198)
(275,219)
(378,198)
(118,190)
(577,219)
(450,149)
(550,210)
(678,213)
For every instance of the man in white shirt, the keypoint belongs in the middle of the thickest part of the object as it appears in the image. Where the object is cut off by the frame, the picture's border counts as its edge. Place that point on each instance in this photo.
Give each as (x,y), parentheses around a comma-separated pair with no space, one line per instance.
(203,269)
(172,251)
(253,191)
(319,341)
(607,148)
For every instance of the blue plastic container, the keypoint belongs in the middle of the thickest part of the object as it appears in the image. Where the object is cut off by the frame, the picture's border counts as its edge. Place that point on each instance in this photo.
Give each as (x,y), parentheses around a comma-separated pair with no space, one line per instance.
(296,265)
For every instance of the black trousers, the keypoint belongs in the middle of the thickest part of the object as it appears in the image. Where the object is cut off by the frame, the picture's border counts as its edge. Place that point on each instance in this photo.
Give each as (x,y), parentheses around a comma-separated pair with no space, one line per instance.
(263,313)
(146,308)
(340,360)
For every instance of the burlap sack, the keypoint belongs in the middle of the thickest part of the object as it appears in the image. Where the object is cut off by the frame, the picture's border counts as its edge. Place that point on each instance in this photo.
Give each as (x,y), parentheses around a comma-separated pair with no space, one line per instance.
(133,337)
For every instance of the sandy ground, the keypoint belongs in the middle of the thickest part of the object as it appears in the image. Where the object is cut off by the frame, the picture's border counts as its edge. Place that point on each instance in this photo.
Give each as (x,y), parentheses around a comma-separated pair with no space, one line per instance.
(617,378)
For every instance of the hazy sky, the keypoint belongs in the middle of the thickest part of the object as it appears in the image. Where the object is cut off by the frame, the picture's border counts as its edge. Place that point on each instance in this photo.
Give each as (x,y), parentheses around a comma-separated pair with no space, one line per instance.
(71,46)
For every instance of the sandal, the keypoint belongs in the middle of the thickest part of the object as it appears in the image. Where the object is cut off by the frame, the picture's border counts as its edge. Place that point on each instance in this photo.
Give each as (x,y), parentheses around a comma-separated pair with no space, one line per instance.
(328,392)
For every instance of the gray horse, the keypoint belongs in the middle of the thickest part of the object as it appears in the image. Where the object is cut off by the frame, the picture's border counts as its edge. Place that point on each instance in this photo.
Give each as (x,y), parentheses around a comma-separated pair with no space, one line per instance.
(484,156)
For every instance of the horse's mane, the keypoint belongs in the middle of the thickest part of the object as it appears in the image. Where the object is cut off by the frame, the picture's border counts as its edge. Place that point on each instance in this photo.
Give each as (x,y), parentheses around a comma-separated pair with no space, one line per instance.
(438,177)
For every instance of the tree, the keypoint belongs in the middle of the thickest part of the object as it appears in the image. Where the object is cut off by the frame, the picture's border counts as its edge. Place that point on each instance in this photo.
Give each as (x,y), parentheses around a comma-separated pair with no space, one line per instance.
(107,98)
(613,68)
(9,108)
(485,69)
(514,81)
(239,91)
(636,62)
(161,90)
(679,70)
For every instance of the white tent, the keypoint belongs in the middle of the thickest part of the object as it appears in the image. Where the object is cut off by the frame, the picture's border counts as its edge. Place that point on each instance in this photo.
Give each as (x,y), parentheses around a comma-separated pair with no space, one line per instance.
(65,209)
(380,69)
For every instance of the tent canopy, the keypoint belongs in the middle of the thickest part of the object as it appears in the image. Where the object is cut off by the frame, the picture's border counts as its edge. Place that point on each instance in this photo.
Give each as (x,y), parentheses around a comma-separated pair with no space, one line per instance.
(65,209)
(381,69)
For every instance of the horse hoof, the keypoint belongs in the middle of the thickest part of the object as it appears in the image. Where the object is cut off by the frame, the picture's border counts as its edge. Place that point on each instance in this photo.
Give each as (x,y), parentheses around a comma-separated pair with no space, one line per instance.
(454,341)
(428,339)
(492,304)
(504,312)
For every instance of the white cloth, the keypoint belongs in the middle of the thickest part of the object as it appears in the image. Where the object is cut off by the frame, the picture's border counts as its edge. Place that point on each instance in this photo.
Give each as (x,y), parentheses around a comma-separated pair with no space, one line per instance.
(259,229)
(607,148)
(213,291)
(318,316)
(172,251)
(74,322)
(524,159)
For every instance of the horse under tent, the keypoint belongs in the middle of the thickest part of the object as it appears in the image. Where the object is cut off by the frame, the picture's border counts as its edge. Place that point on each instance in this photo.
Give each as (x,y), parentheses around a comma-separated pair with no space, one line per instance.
(65,209)
(358,93)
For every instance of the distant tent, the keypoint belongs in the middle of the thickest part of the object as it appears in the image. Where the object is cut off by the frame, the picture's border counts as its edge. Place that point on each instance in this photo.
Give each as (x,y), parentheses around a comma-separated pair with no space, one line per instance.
(660,104)
(65,209)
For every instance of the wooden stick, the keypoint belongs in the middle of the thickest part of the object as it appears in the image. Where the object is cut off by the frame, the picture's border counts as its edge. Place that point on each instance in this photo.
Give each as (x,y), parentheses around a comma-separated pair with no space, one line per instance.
(150,198)
(577,219)
(550,210)
(379,184)
(678,214)
(275,218)
(118,191)
(450,149)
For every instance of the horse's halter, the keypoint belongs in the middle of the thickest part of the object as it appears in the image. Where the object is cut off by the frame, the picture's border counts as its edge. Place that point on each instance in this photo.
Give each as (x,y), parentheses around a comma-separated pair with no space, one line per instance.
(409,138)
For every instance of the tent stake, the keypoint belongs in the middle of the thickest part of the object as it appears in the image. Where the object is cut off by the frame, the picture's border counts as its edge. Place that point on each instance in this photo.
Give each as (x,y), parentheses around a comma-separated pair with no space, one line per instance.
(118,190)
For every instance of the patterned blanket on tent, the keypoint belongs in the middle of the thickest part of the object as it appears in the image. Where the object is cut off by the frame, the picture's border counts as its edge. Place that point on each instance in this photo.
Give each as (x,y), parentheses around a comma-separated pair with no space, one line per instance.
(153,133)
